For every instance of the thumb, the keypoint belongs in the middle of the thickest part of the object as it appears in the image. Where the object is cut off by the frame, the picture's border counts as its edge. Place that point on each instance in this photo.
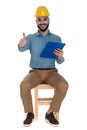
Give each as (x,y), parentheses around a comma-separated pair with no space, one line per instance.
(24,35)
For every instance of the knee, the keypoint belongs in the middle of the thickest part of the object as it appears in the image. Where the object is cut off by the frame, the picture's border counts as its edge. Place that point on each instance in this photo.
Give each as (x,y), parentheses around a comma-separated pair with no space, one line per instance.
(63,87)
(24,87)
(66,85)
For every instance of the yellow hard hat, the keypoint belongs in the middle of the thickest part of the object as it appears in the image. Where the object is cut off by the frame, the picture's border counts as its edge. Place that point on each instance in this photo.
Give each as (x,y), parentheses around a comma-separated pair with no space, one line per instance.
(42,11)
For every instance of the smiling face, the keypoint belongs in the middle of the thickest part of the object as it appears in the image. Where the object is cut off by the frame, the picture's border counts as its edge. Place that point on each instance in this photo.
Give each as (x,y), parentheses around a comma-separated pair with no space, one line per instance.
(42,23)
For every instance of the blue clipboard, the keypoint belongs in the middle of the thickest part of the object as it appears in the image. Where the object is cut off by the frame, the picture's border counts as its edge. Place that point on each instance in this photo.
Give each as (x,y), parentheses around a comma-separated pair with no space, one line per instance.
(49,48)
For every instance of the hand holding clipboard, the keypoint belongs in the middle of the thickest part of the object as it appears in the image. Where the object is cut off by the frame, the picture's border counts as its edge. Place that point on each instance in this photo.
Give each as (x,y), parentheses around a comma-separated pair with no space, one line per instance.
(48,51)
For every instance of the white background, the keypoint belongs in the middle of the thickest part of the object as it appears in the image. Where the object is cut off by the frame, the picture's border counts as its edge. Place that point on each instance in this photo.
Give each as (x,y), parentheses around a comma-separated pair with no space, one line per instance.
(67,19)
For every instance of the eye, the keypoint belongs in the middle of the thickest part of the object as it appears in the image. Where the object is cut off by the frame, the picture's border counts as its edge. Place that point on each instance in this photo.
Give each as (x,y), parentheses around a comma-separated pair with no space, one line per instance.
(45,19)
(39,20)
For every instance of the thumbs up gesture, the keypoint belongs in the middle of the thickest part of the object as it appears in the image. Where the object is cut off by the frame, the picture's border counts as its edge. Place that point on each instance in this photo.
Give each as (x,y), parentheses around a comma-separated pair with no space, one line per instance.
(22,41)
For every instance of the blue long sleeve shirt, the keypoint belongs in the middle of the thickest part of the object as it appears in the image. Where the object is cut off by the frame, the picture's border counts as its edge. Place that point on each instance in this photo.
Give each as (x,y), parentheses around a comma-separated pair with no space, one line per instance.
(35,43)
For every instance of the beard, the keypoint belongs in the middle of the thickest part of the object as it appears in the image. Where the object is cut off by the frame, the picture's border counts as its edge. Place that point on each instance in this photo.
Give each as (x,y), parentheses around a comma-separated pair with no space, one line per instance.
(41,29)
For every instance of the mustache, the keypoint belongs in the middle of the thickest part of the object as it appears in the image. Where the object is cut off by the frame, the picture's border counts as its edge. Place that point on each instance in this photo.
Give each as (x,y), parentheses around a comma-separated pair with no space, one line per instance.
(41,24)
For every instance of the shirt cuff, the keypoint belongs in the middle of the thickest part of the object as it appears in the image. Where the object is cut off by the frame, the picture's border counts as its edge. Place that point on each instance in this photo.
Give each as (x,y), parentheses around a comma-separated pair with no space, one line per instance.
(59,61)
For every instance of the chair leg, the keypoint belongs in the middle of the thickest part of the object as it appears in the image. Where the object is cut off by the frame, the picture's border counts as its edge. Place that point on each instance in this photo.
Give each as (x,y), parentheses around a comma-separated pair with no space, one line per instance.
(36,103)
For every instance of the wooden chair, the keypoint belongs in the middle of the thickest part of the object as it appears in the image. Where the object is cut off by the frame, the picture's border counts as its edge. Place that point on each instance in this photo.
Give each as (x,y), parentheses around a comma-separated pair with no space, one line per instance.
(40,100)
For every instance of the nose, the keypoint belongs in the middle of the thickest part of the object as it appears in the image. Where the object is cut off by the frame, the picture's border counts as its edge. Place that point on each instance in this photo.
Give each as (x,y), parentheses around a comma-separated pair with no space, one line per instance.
(42,21)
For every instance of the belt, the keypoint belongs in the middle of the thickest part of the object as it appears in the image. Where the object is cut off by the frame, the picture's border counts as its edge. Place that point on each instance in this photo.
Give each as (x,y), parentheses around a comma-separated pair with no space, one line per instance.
(43,68)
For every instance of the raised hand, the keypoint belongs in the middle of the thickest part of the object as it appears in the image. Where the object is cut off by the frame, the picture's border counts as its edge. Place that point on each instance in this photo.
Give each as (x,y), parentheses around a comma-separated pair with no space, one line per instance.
(22,41)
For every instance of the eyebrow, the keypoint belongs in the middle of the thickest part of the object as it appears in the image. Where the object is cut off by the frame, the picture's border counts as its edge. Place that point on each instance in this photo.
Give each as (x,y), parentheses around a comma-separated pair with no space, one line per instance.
(45,18)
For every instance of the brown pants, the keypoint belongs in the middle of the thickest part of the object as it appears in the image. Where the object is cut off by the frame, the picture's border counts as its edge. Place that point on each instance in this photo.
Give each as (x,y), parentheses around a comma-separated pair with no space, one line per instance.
(36,77)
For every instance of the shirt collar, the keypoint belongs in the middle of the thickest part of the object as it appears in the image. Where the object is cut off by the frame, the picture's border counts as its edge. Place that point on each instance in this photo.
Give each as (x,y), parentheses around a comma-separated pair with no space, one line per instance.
(39,34)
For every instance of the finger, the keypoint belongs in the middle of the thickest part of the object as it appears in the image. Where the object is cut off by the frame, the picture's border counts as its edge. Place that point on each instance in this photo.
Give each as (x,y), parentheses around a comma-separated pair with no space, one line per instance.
(24,35)
(59,49)
(56,50)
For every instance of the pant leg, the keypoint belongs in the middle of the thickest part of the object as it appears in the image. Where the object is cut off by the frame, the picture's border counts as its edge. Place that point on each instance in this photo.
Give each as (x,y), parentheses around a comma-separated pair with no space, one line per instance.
(29,82)
(60,85)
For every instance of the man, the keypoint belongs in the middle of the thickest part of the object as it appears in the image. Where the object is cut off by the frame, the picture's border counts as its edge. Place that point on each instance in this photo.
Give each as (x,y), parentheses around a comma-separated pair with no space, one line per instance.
(42,69)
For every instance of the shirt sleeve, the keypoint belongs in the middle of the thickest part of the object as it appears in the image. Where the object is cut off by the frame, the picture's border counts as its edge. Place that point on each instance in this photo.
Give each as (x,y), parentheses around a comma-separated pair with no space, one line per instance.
(27,45)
